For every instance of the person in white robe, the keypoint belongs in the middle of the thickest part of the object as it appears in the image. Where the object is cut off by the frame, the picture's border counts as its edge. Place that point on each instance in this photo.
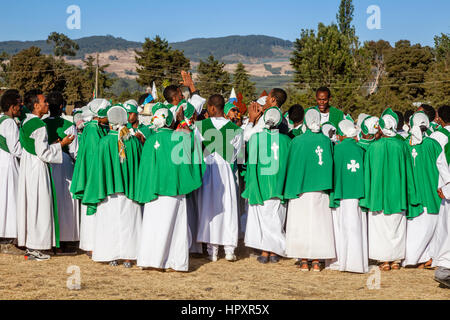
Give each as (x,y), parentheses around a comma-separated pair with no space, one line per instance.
(68,208)
(10,153)
(420,231)
(218,196)
(37,224)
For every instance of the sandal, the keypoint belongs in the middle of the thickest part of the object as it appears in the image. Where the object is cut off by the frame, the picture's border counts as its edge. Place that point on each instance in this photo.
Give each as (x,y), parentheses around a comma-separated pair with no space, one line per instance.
(302,266)
(428,265)
(385,266)
(395,266)
(314,265)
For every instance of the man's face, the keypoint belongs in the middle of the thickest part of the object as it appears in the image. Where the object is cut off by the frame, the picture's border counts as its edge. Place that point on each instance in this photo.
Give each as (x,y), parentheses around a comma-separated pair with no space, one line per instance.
(132,118)
(16,109)
(270,101)
(322,99)
(42,106)
(233,114)
(178,97)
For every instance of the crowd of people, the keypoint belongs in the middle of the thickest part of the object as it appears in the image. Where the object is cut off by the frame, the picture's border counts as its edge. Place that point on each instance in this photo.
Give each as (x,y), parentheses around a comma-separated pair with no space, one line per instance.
(310,184)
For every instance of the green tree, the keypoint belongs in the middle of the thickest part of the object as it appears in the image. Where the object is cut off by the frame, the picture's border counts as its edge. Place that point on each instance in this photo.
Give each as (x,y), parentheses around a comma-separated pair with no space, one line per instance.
(62,45)
(157,62)
(104,81)
(242,83)
(333,59)
(344,17)
(212,78)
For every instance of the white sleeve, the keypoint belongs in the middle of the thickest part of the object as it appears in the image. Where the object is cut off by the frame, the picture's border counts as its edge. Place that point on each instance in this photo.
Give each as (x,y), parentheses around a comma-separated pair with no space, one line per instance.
(197,102)
(44,151)
(444,174)
(73,147)
(439,137)
(12,138)
(237,144)
(248,131)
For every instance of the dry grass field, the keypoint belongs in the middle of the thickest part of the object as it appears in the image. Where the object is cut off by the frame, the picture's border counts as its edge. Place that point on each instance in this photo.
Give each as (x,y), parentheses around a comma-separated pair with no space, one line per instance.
(243,279)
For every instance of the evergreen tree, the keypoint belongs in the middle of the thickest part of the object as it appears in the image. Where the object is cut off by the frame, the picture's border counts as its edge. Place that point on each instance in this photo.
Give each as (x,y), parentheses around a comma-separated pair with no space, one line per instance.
(104,81)
(345,17)
(242,83)
(62,45)
(157,62)
(212,78)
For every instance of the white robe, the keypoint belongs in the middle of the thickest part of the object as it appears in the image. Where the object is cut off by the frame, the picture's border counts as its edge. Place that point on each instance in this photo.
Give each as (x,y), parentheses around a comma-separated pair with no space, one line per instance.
(192,216)
(87,229)
(350,233)
(35,221)
(265,227)
(441,239)
(218,222)
(309,227)
(68,208)
(387,236)
(118,223)
(165,238)
(9,179)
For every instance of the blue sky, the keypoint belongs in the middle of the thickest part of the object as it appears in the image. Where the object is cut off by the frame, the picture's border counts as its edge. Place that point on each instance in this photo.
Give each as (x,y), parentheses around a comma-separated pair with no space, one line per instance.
(176,20)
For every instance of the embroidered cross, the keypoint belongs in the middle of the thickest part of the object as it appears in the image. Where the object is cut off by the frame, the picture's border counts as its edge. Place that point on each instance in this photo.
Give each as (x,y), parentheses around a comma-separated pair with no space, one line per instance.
(275,148)
(319,152)
(353,165)
(157,145)
(414,154)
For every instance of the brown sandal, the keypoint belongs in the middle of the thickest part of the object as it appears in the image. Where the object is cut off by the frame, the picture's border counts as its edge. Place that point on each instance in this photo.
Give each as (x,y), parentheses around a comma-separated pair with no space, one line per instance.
(302,266)
(395,266)
(385,266)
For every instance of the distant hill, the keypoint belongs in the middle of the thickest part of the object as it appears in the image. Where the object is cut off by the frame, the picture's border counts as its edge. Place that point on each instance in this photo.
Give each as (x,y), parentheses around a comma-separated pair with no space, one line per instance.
(229,49)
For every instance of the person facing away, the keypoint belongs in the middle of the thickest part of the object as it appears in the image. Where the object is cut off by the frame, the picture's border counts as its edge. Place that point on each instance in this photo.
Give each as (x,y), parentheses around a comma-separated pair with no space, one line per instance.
(37,216)
(349,221)
(68,208)
(265,177)
(218,196)
(112,190)
(309,226)
(10,153)
(167,174)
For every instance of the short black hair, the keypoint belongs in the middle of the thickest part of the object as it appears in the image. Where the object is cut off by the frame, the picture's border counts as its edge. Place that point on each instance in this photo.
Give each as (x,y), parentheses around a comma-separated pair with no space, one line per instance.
(30,98)
(170,92)
(296,113)
(55,100)
(79,104)
(280,95)
(217,101)
(9,98)
(142,98)
(401,120)
(408,114)
(444,113)
(324,89)
(429,111)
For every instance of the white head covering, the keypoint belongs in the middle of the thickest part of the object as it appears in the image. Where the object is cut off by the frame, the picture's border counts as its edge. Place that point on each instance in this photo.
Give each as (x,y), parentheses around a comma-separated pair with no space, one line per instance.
(390,126)
(98,104)
(87,114)
(118,119)
(272,118)
(371,123)
(348,128)
(328,128)
(160,118)
(312,120)
(417,120)
(262,101)
(361,118)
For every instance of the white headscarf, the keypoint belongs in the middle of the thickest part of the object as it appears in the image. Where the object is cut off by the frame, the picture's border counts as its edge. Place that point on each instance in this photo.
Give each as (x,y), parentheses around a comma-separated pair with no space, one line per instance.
(312,120)
(98,104)
(417,120)
(390,126)
(348,128)
(272,118)
(262,101)
(118,119)
(327,128)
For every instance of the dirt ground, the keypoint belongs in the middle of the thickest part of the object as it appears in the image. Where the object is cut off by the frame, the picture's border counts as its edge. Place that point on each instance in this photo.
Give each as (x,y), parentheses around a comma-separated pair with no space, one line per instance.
(243,279)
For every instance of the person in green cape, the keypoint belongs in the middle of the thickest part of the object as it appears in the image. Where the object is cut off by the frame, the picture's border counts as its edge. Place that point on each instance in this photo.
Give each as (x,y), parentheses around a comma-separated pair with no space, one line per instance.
(431,172)
(87,150)
(389,189)
(309,178)
(296,115)
(10,153)
(349,221)
(327,112)
(369,128)
(330,131)
(112,189)
(37,216)
(265,176)
(218,196)
(431,114)
(166,175)
(139,130)
(68,208)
